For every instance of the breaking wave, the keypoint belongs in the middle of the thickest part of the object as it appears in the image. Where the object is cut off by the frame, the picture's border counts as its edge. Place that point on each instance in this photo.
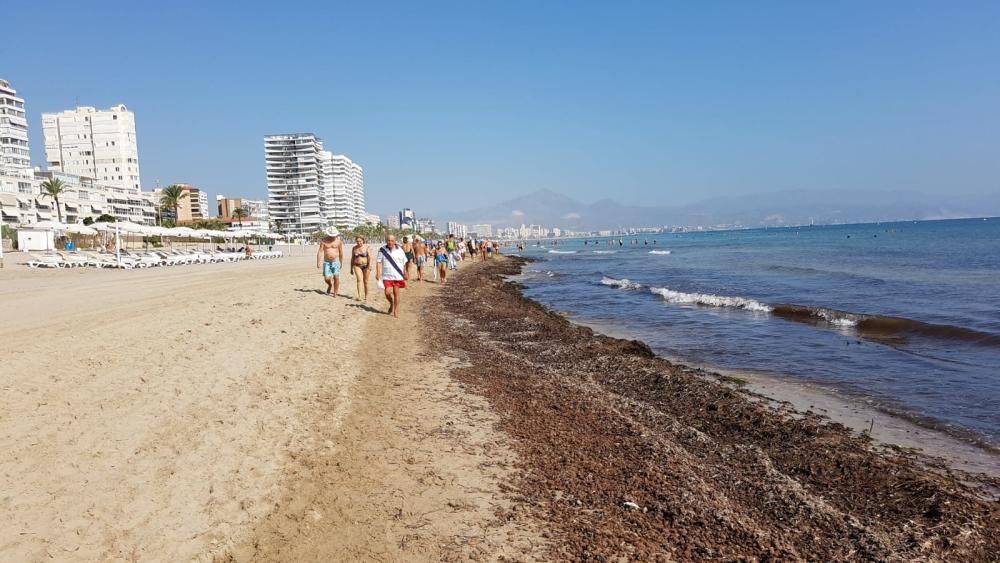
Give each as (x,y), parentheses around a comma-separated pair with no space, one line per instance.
(562,252)
(660,252)
(894,331)
(605,251)
(709,300)
(885,328)
(622,283)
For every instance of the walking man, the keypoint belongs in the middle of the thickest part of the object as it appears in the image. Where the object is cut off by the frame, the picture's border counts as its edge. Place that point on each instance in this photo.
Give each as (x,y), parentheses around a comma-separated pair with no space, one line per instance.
(390,268)
(420,251)
(330,257)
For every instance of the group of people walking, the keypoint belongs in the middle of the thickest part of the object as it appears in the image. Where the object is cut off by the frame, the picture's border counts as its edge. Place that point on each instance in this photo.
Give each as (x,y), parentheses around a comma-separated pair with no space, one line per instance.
(394,262)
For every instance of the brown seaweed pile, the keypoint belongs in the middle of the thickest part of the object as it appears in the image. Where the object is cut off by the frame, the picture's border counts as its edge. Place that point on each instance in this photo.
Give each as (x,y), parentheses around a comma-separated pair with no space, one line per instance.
(625,456)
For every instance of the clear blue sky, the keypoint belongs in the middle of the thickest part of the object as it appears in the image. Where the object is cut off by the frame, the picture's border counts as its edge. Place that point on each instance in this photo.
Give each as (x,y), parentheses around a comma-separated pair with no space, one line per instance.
(660,102)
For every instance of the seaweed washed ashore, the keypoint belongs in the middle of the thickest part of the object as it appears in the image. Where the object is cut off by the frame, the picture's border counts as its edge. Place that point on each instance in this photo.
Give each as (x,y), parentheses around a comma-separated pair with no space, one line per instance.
(627,456)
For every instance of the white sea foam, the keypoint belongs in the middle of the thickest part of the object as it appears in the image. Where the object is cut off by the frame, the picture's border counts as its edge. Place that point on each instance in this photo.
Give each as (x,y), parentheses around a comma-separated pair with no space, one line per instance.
(710,300)
(562,252)
(837,318)
(622,283)
(660,252)
(605,251)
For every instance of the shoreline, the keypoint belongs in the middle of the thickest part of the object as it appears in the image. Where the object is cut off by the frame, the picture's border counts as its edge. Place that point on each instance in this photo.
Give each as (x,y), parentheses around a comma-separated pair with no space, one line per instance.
(959,449)
(625,453)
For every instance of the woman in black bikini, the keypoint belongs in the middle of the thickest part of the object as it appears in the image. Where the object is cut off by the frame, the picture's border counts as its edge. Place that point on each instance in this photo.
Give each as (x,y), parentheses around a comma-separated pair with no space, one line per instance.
(359,267)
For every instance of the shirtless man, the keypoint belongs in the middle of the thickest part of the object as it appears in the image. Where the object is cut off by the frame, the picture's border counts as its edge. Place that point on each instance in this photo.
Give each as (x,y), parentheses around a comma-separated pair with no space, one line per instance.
(420,254)
(330,257)
(408,251)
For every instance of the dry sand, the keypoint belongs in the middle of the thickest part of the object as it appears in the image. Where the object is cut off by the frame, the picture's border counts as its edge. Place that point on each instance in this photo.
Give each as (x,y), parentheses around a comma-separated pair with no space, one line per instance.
(232,412)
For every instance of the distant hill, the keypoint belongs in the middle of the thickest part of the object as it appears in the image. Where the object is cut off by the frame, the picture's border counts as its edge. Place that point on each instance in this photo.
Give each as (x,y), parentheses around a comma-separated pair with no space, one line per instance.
(553,209)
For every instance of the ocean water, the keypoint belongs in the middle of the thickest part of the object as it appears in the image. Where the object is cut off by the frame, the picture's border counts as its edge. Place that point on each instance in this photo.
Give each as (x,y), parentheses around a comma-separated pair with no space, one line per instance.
(906,315)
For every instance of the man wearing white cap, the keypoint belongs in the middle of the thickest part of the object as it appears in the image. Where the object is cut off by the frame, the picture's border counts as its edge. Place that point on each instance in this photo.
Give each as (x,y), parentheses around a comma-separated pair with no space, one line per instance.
(330,258)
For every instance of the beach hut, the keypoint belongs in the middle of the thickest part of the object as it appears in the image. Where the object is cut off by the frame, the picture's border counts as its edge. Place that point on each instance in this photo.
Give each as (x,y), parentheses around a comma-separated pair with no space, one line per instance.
(39,236)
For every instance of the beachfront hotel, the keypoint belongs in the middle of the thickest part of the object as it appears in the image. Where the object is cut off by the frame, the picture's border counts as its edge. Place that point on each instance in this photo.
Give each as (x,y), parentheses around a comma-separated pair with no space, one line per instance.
(310,188)
(98,144)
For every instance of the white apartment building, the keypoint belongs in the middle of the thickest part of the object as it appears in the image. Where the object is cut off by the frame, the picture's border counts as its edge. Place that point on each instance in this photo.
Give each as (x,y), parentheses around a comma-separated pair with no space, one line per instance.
(310,188)
(457,229)
(347,197)
(82,198)
(483,230)
(294,165)
(98,144)
(426,226)
(15,157)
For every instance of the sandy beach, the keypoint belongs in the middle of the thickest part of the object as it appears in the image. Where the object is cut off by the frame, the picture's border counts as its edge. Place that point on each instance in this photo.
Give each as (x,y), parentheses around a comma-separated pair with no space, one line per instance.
(233,412)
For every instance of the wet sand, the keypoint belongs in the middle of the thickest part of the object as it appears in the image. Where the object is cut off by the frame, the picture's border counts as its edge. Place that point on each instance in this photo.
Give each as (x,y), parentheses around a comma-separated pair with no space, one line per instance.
(626,454)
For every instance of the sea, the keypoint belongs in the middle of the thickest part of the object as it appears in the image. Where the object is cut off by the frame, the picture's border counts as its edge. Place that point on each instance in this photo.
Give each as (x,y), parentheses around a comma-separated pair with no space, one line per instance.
(904,315)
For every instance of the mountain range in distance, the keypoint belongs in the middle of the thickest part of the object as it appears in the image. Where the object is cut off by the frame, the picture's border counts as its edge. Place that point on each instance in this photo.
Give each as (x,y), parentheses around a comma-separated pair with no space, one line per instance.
(552,209)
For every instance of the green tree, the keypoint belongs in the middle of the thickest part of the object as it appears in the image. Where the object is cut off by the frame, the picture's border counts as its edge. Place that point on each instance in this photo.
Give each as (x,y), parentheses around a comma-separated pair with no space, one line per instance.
(240,214)
(88,220)
(54,187)
(171,197)
(105,218)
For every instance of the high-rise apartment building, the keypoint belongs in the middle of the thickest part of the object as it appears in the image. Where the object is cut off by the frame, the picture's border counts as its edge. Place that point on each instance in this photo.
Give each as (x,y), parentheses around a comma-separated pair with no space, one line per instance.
(98,144)
(347,198)
(457,229)
(407,219)
(310,188)
(15,158)
(294,164)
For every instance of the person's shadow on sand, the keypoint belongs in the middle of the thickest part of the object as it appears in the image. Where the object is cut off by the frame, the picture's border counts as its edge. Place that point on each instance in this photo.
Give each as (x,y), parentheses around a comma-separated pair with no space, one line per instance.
(319,291)
(366,307)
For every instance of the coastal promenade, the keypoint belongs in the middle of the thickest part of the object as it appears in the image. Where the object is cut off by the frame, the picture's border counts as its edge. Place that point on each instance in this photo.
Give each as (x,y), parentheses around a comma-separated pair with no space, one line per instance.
(232,412)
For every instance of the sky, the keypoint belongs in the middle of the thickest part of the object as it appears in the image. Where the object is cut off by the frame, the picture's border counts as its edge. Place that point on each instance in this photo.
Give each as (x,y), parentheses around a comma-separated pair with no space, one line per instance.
(447,104)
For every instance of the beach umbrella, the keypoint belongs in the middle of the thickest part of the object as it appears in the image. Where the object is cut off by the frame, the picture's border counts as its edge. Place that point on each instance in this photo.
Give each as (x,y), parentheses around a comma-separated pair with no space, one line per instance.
(46,226)
(130,227)
(81,230)
(182,232)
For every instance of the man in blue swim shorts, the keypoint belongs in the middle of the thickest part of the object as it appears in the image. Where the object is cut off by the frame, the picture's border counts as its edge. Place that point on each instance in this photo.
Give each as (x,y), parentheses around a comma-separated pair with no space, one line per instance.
(330,258)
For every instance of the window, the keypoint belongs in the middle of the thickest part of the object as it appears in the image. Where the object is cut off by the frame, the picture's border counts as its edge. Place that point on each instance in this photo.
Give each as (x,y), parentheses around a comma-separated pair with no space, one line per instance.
(114,117)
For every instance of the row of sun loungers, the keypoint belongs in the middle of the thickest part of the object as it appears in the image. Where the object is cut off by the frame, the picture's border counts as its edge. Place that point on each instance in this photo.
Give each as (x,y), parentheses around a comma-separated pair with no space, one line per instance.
(142,259)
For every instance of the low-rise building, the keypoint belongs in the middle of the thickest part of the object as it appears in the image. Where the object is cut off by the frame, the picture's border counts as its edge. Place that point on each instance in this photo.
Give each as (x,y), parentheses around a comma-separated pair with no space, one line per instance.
(22,202)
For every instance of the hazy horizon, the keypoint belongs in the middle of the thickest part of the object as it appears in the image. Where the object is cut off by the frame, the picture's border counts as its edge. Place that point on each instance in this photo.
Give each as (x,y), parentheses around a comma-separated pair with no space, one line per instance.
(649,103)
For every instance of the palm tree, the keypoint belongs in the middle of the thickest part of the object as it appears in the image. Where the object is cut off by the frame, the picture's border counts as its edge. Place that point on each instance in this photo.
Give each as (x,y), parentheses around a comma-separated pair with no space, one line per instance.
(54,187)
(171,196)
(240,214)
